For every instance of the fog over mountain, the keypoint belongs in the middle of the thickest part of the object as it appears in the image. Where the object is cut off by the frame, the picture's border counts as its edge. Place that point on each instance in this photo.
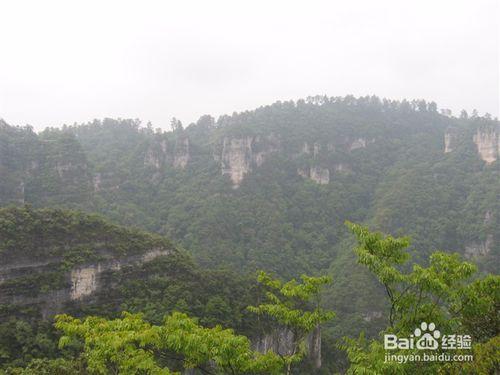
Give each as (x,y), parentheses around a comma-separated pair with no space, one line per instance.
(66,62)
(249,188)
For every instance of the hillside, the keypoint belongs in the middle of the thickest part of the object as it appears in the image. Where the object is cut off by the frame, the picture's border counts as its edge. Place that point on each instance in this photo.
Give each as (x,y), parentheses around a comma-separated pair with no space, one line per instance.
(264,189)
(58,261)
(271,188)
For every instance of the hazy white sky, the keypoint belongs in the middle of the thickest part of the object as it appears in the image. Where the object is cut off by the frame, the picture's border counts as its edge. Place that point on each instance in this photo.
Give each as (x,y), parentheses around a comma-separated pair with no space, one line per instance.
(67,61)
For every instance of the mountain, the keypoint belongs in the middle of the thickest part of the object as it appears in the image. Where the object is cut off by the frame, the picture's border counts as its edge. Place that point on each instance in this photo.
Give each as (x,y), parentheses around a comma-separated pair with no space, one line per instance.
(60,261)
(271,189)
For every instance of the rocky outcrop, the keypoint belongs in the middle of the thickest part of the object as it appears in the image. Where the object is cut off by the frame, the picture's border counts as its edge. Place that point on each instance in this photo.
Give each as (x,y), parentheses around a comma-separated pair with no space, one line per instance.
(154,158)
(97,181)
(487,140)
(313,149)
(479,249)
(281,342)
(341,168)
(359,143)
(20,192)
(82,281)
(372,315)
(181,155)
(318,174)
(159,154)
(451,137)
(240,155)
(236,158)
(87,279)
(64,169)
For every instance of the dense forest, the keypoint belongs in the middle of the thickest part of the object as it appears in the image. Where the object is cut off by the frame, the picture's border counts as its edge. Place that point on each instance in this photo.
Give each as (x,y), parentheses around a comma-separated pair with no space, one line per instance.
(112,216)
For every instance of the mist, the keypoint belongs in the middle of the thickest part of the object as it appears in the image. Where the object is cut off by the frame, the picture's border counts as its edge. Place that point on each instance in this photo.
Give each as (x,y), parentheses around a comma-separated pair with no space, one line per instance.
(65,62)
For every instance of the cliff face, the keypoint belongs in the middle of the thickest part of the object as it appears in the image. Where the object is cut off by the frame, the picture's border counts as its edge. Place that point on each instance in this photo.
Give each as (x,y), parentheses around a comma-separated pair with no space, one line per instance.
(281,342)
(487,140)
(182,155)
(42,169)
(451,137)
(56,257)
(241,155)
(87,279)
(322,164)
(317,174)
(161,153)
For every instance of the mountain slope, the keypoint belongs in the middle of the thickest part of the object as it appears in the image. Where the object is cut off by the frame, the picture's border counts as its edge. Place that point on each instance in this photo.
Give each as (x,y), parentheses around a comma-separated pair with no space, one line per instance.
(271,188)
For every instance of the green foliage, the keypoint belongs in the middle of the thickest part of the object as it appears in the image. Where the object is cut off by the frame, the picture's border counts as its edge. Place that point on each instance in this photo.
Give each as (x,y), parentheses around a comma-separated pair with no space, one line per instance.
(438,293)
(53,241)
(287,302)
(132,346)
(59,366)
(400,182)
(289,306)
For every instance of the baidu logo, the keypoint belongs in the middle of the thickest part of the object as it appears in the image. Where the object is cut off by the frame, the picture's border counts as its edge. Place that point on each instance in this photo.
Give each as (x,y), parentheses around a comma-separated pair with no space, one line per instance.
(427,337)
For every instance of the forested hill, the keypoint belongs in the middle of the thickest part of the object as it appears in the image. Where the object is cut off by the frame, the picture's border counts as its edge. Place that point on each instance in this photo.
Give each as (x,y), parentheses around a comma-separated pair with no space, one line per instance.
(271,188)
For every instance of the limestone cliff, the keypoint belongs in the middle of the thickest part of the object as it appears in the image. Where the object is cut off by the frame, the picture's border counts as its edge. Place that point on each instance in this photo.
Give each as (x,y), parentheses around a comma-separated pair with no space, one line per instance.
(281,342)
(451,137)
(55,256)
(359,143)
(157,155)
(41,169)
(181,155)
(487,140)
(87,279)
(241,154)
(161,153)
(479,249)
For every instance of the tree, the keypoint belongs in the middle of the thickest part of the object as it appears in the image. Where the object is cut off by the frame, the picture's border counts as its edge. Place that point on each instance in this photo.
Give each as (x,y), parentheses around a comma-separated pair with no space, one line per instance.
(438,293)
(175,125)
(432,107)
(131,345)
(296,307)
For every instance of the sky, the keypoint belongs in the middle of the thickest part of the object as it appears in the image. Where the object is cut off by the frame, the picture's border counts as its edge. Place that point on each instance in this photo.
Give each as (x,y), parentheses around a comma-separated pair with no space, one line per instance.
(73,61)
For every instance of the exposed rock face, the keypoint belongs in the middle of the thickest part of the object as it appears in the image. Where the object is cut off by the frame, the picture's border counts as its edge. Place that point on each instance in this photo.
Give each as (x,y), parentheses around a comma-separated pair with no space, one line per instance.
(306,149)
(371,315)
(181,156)
(359,143)
(159,154)
(20,192)
(153,158)
(86,280)
(318,174)
(341,168)
(236,158)
(476,250)
(313,149)
(487,141)
(241,155)
(303,172)
(488,217)
(105,181)
(97,181)
(82,281)
(450,140)
(63,168)
(281,342)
